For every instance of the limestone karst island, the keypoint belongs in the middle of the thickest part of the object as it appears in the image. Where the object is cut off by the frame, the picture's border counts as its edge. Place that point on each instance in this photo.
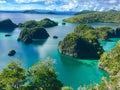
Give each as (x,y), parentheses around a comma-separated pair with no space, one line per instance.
(59,45)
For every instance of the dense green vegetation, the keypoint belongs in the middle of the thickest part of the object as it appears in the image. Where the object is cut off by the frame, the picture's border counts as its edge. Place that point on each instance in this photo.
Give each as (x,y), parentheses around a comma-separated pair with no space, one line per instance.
(41,76)
(35,30)
(84,12)
(110,61)
(85,38)
(46,23)
(7,25)
(109,16)
(103,33)
(27,35)
(12,77)
(82,43)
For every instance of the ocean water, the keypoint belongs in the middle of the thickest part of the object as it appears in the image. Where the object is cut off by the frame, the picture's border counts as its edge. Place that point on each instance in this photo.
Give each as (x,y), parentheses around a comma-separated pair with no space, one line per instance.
(72,72)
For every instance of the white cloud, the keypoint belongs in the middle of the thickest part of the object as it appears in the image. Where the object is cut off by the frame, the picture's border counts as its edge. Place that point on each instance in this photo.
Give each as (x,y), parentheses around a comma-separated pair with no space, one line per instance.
(2,1)
(112,1)
(63,5)
(30,1)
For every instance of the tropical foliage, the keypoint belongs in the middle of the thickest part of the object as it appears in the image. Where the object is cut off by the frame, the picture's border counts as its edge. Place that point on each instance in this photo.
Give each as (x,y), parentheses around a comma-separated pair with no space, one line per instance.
(110,62)
(87,31)
(78,43)
(46,23)
(41,76)
(27,35)
(35,30)
(109,16)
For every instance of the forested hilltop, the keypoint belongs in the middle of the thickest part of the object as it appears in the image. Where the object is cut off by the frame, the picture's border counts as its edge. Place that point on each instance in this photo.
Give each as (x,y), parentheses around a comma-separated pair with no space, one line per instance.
(35,30)
(109,16)
(85,38)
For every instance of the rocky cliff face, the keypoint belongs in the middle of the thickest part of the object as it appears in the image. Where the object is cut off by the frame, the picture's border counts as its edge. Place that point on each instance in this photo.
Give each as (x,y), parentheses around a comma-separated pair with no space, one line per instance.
(77,47)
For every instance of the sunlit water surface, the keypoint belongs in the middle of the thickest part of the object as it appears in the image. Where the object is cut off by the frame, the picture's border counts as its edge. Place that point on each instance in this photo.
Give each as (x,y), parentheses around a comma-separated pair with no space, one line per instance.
(71,72)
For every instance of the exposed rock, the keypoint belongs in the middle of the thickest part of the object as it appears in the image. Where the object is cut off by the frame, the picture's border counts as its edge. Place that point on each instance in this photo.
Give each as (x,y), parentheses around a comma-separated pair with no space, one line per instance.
(63,23)
(11,53)
(117,32)
(55,37)
(7,35)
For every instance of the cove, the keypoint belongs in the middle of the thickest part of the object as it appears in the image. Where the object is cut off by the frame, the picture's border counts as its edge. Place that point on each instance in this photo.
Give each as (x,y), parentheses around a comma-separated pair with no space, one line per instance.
(72,72)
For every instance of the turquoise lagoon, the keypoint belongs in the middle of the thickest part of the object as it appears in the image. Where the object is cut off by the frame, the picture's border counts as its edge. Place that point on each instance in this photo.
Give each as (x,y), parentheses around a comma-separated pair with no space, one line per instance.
(72,72)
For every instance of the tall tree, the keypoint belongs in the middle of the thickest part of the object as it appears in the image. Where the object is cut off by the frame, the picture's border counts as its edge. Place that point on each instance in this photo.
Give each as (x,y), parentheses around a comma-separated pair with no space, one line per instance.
(12,77)
(44,77)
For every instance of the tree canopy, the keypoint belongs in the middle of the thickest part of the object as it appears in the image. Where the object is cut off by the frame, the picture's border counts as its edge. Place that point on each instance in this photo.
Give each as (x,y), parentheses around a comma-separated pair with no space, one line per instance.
(41,76)
(108,16)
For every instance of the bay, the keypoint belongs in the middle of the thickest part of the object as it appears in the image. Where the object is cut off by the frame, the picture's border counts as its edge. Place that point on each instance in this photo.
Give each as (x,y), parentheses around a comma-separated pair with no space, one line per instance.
(72,72)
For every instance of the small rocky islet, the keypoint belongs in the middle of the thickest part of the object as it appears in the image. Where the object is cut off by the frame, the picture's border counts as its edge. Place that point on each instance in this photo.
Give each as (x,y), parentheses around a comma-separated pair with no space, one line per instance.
(11,52)
(8,35)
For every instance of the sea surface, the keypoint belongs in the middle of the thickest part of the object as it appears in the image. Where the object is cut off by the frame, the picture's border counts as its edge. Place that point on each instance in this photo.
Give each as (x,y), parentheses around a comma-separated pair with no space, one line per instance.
(72,72)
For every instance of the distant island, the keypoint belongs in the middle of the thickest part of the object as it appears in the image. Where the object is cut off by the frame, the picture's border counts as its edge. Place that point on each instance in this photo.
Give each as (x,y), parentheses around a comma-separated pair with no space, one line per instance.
(111,16)
(37,11)
(49,12)
(84,12)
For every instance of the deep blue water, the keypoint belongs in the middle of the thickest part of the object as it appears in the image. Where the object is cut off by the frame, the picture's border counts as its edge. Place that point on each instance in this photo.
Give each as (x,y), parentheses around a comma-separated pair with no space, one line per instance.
(72,72)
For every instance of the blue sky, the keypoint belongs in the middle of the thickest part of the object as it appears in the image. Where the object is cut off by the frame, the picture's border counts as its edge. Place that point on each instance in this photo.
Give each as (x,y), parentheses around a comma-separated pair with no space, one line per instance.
(60,5)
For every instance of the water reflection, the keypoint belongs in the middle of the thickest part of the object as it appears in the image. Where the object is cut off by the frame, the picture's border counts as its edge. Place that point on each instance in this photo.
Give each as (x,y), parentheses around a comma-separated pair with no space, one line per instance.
(39,42)
(71,72)
(79,72)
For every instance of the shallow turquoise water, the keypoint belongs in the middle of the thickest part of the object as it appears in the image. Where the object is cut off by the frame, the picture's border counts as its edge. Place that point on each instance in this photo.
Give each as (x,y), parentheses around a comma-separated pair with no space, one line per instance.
(72,72)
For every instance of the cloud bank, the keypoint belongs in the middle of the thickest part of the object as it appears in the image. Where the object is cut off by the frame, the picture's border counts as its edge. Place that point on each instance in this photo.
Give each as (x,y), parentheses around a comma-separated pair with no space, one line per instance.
(60,5)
